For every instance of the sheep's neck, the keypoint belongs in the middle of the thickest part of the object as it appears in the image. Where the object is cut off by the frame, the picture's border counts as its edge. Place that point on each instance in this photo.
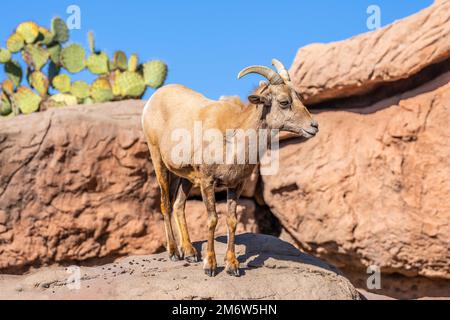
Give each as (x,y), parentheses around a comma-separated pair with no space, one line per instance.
(252,118)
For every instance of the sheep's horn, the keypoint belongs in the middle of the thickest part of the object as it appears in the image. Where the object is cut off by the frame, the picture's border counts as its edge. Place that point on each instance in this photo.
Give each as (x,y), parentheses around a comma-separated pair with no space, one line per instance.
(281,70)
(272,76)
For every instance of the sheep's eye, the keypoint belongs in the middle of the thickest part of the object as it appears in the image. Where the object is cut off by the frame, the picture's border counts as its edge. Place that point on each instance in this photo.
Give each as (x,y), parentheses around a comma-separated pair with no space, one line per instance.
(285,103)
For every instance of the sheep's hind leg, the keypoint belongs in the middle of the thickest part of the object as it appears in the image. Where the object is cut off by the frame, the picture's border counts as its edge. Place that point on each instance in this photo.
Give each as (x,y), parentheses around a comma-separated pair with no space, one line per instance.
(163,177)
(231,263)
(187,249)
(209,261)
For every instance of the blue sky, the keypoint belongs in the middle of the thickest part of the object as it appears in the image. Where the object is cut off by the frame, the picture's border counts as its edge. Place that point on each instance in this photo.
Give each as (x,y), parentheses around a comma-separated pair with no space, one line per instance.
(206,43)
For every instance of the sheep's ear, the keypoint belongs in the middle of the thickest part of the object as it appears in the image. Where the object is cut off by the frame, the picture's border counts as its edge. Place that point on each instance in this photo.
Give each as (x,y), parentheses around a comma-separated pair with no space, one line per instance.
(257,99)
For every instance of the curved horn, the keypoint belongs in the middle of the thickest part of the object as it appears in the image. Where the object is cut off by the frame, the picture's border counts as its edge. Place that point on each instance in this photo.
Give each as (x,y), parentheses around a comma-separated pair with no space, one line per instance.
(281,70)
(272,76)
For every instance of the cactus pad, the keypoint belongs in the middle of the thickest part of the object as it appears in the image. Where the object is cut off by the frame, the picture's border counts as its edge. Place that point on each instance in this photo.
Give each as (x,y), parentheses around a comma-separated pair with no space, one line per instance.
(80,90)
(35,56)
(15,43)
(14,72)
(29,31)
(98,63)
(101,90)
(45,36)
(60,30)
(55,53)
(39,81)
(73,58)
(8,87)
(155,73)
(26,100)
(5,105)
(133,63)
(63,100)
(120,60)
(91,41)
(62,83)
(131,84)
(5,55)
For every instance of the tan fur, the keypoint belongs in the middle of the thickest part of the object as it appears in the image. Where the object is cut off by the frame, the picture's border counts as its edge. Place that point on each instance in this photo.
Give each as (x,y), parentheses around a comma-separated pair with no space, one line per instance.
(175,106)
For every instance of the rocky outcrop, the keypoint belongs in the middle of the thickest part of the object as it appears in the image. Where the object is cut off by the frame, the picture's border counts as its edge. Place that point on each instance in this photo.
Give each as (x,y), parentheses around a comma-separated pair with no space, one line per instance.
(376,60)
(372,189)
(78,184)
(273,270)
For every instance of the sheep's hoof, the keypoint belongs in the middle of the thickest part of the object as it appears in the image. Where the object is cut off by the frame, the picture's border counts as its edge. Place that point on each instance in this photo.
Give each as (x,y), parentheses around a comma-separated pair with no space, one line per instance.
(192,259)
(233,272)
(210,272)
(175,257)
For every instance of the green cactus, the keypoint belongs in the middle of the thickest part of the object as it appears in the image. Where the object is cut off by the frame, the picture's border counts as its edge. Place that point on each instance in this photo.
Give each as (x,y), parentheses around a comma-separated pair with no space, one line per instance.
(60,30)
(26,100)
(101,90)
(14,72)
(113,76)
(35,56)
(39,81)
(63,100)
(55,53)
(8,87)
(133,63)
(5,105)
(155,73)
(29,31)
(88,100)
(98,63)
(73,58)
(62,83)
(120,60)
(45,36)
(80,89)
(91,42)
(131,84)
(5,55)
(15,43)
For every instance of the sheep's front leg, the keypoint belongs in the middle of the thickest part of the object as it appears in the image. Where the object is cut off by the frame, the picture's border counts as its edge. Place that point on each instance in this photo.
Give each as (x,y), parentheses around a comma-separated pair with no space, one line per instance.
(231,263)
(209,261)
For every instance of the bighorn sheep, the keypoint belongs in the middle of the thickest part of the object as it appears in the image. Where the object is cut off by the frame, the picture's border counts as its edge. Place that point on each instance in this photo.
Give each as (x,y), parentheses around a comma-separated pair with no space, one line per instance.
(276,105)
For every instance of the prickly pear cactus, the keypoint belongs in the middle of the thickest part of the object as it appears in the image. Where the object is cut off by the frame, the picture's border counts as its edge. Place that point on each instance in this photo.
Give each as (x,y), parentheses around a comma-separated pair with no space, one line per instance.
(98,63)
(101,90)
(60,30)
(155,73)
(45,36)
(8,87)
(26,100)
(120,61)
(5,55)
(14,72)
(15,43)
(5,105)
(73,58)
(62,83)
(133,63)
(35,56)
(44,50)
(39,82)
(131,84)
(29,31)
(63,100)
(55,53)
(80,89)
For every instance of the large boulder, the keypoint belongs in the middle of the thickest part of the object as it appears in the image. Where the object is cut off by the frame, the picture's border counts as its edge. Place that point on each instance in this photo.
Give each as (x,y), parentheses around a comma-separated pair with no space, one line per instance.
(272,269)
(372,188)
(78,184)
(359,65)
